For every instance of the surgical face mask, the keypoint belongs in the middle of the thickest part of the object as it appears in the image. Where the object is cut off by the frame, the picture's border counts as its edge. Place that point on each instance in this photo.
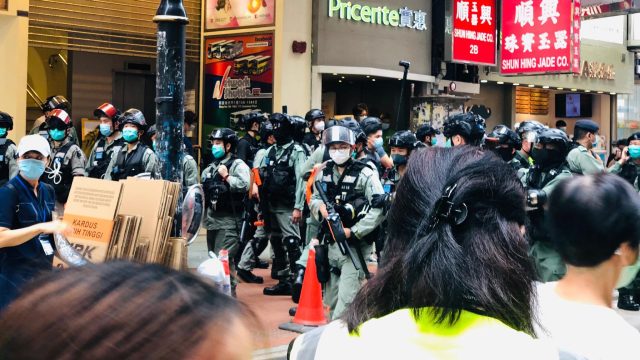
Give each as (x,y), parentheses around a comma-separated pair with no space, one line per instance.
(448,143)
(379,142)
(634,151)
(31,169)
(319,126)
(362,117)
(57,134)
(153,145)
(628,274)
(434,141)
(340,156)
(217,151)
(399,160)
(595,142)
(3,132)
(130,135)
(105,129)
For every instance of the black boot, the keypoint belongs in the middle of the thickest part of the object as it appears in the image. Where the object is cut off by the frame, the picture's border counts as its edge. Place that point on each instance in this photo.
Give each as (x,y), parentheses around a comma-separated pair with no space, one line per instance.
(296,289)
(262,264)
(627,302)
(283,288)
(249,277)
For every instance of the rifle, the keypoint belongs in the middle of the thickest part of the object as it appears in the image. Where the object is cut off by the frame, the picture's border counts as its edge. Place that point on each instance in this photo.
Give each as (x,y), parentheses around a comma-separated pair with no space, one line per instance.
(334,224)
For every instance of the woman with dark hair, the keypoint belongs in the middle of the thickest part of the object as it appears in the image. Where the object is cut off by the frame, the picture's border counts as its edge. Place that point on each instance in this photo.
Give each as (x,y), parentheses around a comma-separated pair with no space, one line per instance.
(457,282)
(124,311)
(600,248)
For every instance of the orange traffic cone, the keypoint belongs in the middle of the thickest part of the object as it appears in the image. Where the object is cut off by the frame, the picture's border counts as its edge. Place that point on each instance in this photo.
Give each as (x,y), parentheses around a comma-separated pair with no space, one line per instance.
(310,309)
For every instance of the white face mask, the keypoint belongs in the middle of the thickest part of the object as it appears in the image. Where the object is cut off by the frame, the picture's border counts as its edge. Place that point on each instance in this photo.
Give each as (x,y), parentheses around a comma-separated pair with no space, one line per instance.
(319,126)
(340,156)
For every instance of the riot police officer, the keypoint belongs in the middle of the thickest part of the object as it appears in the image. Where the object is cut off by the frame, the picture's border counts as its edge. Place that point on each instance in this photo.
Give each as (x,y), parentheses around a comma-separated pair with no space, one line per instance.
(505,143)
(249,259)
(527,131)
(110,141)
(351,184)
(372,128)
(284,189)
(427,135)
(549,154)
(41,126)
(226,183)
(189,165)
(299,132)
(68,160)
(249,145)
(464,129)
(135,158)
(315,121)
(8,150)
(581,159)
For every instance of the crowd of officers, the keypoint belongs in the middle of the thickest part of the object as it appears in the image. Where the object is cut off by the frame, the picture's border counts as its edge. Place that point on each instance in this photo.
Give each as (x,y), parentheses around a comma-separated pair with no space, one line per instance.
(297,183)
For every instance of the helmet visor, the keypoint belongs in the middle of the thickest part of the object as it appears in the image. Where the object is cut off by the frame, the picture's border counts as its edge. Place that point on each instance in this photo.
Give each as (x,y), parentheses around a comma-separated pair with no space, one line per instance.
(338,134)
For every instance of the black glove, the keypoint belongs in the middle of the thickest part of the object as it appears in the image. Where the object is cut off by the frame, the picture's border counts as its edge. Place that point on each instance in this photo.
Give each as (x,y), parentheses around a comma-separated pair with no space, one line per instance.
(536,198)
(380,201)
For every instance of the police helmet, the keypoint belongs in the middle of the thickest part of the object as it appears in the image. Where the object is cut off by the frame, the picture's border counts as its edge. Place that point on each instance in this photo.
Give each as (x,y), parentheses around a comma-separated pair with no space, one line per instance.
(403,139)
(634,136)
(135,117)
(312,115)
(468,125)
(249,119)
(110,111)
(353,125)
(6,120)
(59,119)
(152,131)
(371,125)
(332,122)
(299,127)
(426,130)
(556,137)
(56,102)
(527,127)
(503,135)
(266,130)
(282,127)
(338,134)
(227,136)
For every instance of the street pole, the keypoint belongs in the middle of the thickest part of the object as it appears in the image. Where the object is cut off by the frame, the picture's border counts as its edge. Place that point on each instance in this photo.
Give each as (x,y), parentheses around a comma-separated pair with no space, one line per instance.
(172,21)
(405,64)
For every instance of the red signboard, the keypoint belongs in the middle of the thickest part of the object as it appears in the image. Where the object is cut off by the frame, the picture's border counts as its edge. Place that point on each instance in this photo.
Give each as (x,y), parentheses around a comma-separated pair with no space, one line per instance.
(474,32)
(540,36)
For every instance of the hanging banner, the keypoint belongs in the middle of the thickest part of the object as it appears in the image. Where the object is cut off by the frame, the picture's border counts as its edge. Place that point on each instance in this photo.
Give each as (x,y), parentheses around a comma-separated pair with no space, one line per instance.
(473,37)
(238,78)
(232,14)
(540,37)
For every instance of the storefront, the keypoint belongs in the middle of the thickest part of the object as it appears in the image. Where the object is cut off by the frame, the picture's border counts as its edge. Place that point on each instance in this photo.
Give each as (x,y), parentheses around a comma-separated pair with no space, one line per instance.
(357,49)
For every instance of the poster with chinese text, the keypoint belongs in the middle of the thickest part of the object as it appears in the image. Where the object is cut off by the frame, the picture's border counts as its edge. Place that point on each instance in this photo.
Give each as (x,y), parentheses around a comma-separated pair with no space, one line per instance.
(474,32)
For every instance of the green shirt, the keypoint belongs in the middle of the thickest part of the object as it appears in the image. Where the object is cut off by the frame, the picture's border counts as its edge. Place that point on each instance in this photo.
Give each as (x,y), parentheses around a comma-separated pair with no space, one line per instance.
(238,180)
(584,162)
(189,171)
(368,183)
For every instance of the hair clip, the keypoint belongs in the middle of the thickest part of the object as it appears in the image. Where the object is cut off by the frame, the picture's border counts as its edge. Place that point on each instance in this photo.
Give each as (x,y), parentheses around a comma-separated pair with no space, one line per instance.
(448,211)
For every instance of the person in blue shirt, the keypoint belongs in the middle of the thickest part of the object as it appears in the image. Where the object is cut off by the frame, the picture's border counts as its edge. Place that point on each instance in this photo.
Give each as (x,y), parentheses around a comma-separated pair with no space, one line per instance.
(26,243)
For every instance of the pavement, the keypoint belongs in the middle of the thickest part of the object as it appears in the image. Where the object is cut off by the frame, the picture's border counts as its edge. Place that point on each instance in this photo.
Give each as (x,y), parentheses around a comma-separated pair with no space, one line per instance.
(271,311)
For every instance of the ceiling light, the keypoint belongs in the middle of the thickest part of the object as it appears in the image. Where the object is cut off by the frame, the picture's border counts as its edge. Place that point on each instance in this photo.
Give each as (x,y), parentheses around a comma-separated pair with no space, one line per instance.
(334,74)
(368,76)
(574,89)
(531,85)
(600,92)
(560,88)
(483,81)
(339,81)
(587,91)
(612,93)
(373,79)
(516,84)
(343,77)
(500,82)
(545,87)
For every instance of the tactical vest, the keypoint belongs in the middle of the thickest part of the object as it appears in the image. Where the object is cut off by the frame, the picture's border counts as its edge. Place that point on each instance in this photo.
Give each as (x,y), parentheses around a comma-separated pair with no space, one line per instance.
(60,174)
(254,146)
(344,192)
(131,165)
(536,223)
(102,157)
(217,190)
(4,160)
(280,182)
(371,156)
(311,141)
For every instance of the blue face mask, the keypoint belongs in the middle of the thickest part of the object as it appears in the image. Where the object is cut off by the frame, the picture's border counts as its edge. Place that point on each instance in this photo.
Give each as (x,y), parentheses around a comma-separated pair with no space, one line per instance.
(105,129)
(217,151)
(379,142)
(634,151)
(57,134)
(153,145)
(130,135)
(3,132)
(434,141)
(31,169)
(448,143)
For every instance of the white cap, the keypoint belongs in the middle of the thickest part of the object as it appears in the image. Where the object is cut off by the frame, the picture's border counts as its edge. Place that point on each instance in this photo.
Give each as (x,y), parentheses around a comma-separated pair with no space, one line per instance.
(34,143)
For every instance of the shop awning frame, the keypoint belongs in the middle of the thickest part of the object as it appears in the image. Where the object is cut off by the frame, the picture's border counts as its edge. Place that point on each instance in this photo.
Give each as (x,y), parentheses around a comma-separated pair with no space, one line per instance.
(373,72)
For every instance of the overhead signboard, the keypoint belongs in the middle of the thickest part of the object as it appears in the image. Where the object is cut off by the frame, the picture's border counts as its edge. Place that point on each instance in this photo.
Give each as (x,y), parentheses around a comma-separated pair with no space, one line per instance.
(402,17)
(473,37)
(540,37)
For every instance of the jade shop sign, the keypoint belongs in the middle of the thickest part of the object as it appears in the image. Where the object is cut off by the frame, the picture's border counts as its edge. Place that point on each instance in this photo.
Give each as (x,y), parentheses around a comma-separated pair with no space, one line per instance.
(378,15)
